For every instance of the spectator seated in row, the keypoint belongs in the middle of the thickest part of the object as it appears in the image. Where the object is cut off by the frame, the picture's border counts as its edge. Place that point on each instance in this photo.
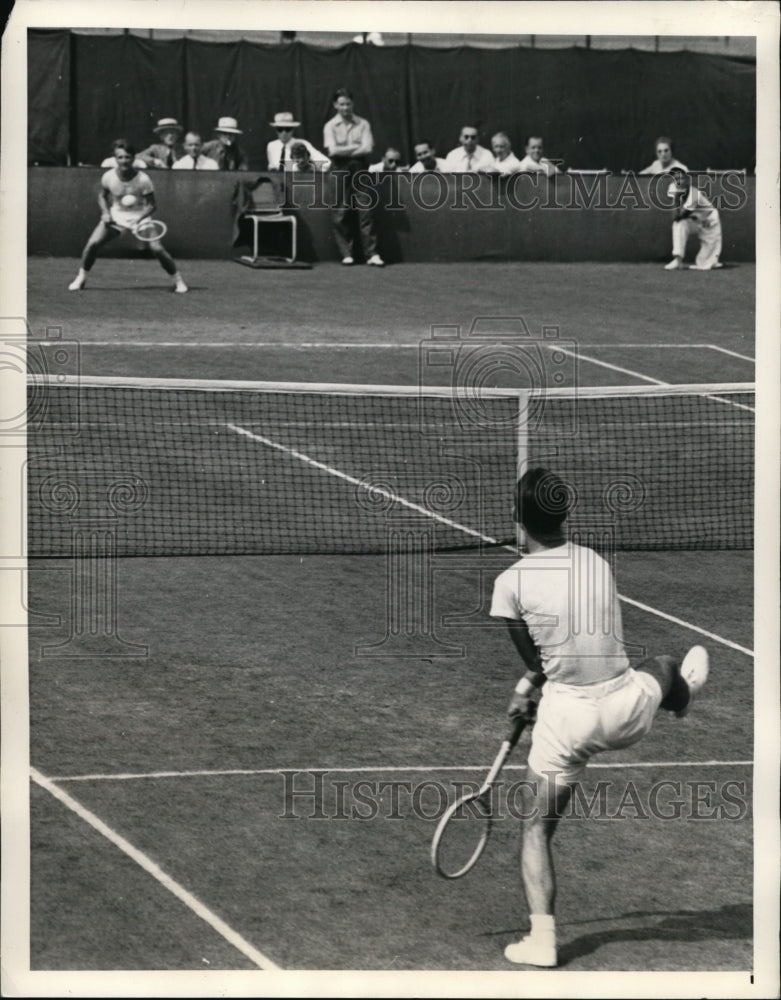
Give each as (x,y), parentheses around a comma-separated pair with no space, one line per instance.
(426,158)
(390,163)
(505,161)
(665,161)
(469,156)
(194,158)
(164,153)
(278,151)
(534,161)
(224,149)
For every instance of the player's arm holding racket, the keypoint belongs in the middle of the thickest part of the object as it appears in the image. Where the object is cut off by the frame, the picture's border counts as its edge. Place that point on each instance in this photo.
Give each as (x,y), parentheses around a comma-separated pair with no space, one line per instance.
(522,704)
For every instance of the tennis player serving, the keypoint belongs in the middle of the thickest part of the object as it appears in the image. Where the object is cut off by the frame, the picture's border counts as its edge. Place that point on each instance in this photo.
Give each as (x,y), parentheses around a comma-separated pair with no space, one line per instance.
(561,607)
(126,199)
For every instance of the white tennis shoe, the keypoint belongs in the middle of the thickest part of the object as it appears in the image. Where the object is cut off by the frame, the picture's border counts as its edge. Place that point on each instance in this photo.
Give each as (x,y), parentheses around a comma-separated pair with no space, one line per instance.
(530,952)
(180,286)
(675,265)
(347,261)
(694,671)
(77,284)
(375,261)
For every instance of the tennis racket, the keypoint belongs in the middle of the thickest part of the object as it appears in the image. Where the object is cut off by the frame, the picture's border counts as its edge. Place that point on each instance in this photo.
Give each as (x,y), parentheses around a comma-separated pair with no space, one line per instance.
(149,230)
(464,829)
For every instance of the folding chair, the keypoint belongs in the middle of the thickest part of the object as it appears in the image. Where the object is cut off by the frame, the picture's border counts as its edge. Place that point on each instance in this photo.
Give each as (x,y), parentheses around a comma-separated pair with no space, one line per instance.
(266,199)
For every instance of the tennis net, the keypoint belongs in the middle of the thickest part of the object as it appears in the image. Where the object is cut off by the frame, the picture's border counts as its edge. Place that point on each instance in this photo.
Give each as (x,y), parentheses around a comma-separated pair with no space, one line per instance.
(179,467)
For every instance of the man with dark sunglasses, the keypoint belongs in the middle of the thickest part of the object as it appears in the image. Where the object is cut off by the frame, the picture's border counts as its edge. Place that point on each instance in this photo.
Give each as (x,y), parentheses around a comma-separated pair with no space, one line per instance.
(390,163)
(278,151)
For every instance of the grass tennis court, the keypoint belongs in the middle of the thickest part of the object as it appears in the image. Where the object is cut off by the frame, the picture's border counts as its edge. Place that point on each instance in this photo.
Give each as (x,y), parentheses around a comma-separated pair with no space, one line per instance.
(251,670)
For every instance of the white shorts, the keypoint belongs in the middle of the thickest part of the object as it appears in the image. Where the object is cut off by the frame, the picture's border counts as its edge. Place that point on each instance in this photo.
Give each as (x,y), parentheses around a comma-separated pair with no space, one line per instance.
(575,722)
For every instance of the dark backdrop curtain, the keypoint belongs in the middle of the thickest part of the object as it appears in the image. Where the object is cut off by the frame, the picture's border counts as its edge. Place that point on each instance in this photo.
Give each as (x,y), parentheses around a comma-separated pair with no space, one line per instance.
(593,108)
(48,97)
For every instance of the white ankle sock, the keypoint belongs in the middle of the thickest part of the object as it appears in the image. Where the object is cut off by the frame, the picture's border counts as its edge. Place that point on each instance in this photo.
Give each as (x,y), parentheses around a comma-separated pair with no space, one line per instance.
(544,928)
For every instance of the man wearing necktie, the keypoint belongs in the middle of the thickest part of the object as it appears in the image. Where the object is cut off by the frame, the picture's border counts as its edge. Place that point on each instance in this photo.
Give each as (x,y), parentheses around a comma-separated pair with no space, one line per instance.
(168,148)
(278,151)
(193,158)
(468,155)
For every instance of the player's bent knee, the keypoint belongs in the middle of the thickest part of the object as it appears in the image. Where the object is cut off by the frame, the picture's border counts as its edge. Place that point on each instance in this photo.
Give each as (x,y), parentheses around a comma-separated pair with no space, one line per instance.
(662,668)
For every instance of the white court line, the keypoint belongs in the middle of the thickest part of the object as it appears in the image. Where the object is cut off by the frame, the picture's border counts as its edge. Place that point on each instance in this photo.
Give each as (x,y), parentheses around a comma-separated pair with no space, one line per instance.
(734,354)
(371,345)
(634,374)
(460,527)
(606,364)
(388,494)
(198,908)
(385,769)
(694,628)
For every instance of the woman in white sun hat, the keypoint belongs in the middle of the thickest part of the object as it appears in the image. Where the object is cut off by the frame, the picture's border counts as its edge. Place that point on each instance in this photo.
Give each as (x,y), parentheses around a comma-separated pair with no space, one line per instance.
(224,149)
(278,150)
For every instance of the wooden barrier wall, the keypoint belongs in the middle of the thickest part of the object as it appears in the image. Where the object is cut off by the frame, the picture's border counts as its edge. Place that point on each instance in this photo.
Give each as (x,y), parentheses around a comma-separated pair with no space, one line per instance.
(446,217)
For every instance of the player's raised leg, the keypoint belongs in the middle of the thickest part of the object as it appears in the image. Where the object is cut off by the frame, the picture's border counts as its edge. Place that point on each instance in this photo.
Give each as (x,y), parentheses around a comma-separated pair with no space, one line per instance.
(679,681)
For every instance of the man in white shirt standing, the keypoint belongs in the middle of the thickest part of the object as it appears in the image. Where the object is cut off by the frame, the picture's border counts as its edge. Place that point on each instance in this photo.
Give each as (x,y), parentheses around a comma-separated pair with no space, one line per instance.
(348,139)
(505,161)
(561,607)
(426,158)
(469,156)
(193,159)
(665,161)
(534,161)
(278,150)
(695,215)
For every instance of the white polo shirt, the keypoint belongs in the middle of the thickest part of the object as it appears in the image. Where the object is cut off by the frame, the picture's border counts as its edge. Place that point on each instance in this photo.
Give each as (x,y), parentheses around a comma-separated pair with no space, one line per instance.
(567,598)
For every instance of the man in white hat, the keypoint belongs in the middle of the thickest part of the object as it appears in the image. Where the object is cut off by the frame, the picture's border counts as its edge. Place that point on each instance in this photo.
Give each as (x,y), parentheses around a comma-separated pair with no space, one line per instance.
(164,153)
(278,151)
(224,149)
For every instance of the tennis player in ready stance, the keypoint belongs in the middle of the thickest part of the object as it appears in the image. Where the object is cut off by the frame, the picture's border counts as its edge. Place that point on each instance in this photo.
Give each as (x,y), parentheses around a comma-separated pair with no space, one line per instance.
(126,197)
(561,607)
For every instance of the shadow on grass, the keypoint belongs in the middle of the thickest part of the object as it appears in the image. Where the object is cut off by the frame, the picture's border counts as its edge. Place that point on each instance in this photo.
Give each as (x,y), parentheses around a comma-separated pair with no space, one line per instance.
(733,921)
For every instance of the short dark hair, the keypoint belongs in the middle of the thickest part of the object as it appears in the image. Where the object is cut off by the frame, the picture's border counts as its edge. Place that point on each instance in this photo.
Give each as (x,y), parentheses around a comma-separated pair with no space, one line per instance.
(125,144)
(664,138)
(542,501)
(299,149)
(341,92)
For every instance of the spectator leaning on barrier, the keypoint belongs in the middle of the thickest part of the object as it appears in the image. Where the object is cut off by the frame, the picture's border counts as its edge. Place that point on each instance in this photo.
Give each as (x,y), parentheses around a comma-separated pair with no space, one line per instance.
(665,161)
(505,161)
(194,158)
(349,142)
(534,161)
(469,156)
(162,155)
(279,150)
(300,159)
(225,150)
(390,162)
(426,158)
